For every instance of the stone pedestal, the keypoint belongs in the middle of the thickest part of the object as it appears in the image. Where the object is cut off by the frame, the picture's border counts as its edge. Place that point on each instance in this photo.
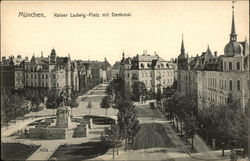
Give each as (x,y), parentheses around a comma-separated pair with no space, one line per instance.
(63,117)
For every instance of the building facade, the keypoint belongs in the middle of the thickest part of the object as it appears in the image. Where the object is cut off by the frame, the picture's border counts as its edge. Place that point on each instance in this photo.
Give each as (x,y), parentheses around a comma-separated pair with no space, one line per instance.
(12,73)
(50,73)
(213,78)
(155,72)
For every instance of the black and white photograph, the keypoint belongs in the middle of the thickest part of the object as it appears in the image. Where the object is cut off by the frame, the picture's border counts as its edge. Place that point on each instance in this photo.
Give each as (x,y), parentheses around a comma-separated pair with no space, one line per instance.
(125,80)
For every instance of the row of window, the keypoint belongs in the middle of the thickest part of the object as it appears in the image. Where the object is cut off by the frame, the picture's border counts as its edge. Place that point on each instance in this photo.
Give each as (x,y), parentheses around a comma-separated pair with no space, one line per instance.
(230,66)
(43,84)
(214,98)
(44,76)
(211,82)
(168,81)
(161,65)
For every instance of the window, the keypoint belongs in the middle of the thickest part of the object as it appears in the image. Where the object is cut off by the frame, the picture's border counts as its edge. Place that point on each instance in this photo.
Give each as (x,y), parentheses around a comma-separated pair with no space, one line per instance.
(42,76)
(27,76)
(35,76)
(46,84)
(46,76)
(225,66)
(142,65)
(128,75)
(54,76)
(31,76)
(225,84)
(230,66)
(230,85)
(238,65)
(238,85)
(42,84)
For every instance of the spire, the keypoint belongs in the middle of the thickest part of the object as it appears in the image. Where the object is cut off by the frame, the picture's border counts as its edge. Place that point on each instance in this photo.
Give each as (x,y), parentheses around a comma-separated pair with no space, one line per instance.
(123,55)
(233,35)
(182,46)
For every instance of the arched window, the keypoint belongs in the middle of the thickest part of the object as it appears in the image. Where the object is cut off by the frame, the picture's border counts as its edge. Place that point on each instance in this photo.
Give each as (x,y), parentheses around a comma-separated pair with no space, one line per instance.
(238,65)
(230,66)
(142,65)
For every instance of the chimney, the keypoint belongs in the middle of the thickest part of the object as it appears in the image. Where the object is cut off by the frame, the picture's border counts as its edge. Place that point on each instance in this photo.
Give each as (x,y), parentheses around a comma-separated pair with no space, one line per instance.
(41,54)
(215,53)
(144,52)
(19,56)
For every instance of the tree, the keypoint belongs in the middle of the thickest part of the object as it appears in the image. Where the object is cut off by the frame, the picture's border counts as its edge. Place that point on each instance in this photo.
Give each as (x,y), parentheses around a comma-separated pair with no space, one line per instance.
(13,106)
(139,91)
(225,123)
(36,104)
(89,106)
(106,103)
(72,101)
(53,101)
(190,128)
(112,138)
(127,115)
(127,118)
(158,95)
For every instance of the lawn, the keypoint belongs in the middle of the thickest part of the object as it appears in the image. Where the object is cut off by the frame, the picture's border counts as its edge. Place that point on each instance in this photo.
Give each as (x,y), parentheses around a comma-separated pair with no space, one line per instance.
(80,151)
(16,151)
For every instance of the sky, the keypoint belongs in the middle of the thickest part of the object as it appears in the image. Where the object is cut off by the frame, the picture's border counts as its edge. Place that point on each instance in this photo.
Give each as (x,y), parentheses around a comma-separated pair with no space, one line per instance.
(153,26)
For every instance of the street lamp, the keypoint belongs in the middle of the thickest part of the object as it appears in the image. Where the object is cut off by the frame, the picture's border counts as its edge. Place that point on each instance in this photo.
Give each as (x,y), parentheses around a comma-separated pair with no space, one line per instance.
(223,147)
(205,132)
(181,121)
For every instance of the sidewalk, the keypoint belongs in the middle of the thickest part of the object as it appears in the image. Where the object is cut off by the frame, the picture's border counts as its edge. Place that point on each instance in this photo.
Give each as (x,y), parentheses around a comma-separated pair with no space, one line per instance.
(204,152)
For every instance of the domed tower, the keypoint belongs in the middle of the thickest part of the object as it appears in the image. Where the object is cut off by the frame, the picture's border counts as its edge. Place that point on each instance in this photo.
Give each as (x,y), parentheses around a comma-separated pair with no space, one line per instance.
(233,51)
(233,48)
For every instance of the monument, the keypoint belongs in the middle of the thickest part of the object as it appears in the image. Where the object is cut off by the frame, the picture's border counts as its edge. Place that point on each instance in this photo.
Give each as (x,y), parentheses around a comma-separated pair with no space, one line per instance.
(60,127)
(63,117)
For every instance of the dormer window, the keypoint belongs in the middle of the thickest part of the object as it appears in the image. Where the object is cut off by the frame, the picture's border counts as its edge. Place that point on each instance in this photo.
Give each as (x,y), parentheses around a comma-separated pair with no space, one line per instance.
(142,65)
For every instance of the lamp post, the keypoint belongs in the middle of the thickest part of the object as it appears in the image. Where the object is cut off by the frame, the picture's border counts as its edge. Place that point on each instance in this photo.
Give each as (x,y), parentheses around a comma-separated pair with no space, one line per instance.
(223,146)
(181,121)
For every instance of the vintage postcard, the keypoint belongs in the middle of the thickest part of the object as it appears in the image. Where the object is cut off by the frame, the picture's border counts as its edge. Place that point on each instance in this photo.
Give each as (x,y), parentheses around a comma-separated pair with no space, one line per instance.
(125,80)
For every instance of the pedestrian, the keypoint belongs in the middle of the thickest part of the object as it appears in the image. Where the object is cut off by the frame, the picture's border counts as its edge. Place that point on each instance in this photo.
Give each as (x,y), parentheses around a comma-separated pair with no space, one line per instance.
(25,131)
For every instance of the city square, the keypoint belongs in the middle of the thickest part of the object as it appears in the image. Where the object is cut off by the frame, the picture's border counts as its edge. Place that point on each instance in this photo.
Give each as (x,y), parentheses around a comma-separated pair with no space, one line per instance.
(128,105)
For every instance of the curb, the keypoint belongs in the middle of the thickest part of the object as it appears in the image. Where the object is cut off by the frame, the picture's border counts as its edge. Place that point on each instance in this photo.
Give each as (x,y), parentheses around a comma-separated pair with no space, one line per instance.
(186,149)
